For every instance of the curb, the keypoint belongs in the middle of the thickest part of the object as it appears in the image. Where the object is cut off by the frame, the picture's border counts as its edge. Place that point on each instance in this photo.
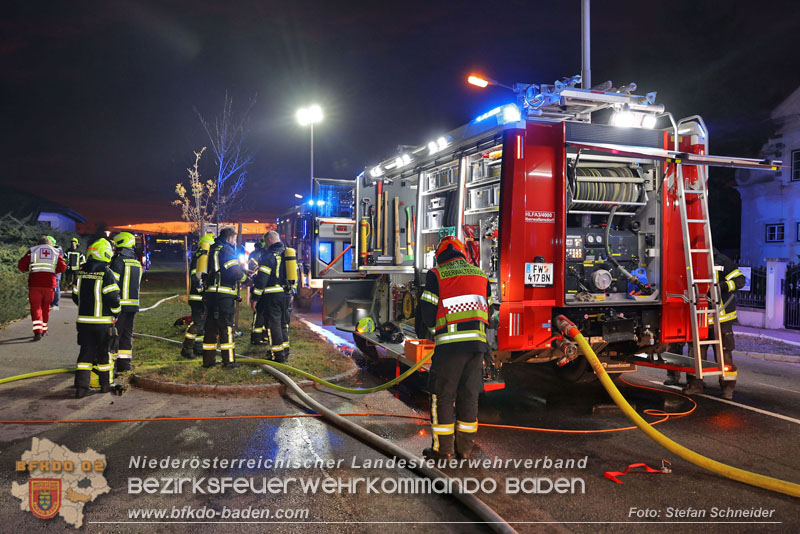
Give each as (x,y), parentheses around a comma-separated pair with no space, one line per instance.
(210,390)
(769,338)
(786,358)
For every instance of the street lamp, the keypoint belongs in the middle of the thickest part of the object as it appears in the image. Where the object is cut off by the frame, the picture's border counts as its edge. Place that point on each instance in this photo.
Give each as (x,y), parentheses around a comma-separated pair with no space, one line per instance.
(309,116)
(483,82)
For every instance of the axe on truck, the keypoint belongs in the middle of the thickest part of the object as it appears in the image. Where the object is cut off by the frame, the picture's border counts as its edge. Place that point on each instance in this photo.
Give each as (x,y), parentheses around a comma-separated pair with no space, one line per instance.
(409,235)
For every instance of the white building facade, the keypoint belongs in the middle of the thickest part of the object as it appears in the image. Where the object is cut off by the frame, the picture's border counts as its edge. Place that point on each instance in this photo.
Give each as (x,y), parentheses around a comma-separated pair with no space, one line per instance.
(771,200)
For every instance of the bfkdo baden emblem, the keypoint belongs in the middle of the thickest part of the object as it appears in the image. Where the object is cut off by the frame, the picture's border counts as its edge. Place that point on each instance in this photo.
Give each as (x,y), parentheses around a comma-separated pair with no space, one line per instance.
(45,497)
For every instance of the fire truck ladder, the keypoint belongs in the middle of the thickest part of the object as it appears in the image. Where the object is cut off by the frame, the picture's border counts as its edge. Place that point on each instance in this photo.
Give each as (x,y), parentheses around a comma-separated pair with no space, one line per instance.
(699,256)
(701,305)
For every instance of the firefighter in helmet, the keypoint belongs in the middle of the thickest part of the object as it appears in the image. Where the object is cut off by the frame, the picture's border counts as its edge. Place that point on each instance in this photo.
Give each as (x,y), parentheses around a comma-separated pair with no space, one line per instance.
(128,272)
(455,307)
(254,264)
(728,278)
(193,339)
(220,295)
(97,295)
(272,293)
(74,259)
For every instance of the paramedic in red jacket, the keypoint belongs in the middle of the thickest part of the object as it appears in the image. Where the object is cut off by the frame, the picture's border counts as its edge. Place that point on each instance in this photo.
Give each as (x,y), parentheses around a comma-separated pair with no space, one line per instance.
(43,262)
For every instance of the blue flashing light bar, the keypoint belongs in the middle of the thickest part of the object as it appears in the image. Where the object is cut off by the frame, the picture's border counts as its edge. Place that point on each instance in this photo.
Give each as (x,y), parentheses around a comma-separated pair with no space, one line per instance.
(504,114)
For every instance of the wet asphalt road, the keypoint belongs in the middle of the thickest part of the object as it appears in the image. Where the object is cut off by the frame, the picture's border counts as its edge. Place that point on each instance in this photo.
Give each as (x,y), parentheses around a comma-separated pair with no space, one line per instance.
(744,438)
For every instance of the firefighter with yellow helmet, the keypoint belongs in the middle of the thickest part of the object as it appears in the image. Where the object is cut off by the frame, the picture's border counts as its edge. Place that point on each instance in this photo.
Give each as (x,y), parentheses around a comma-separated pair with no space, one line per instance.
(127,270)
(193,339)
(97,295)
(455,307)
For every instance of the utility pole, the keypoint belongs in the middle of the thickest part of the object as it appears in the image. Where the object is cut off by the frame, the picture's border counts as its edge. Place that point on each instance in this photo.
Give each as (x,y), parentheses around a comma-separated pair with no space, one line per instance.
(586,45)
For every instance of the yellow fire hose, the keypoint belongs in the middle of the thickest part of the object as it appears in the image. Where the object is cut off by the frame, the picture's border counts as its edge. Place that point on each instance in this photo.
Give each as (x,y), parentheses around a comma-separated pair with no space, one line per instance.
(569,328)
(754,479)
(37,373)
(256,361)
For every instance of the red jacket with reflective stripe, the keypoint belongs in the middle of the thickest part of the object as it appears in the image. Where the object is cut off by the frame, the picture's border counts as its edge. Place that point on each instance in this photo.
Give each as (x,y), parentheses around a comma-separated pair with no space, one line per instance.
(41,279)
(455,303)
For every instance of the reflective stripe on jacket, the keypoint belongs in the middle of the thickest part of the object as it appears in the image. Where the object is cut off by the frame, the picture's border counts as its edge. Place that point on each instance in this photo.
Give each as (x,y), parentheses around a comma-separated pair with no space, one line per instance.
(96,293)
(729,279)
(44,259)
(128,272)
(224,270)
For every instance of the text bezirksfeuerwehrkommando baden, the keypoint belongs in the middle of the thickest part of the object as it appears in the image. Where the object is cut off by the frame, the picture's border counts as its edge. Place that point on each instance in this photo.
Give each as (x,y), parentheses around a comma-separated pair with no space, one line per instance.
(355,484)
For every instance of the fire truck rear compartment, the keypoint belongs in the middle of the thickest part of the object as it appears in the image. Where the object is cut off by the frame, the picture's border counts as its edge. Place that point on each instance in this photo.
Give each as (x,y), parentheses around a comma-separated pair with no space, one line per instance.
(612,231)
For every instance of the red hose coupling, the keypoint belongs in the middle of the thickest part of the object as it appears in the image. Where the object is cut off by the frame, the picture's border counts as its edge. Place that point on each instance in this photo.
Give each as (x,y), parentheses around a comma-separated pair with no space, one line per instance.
(565,326)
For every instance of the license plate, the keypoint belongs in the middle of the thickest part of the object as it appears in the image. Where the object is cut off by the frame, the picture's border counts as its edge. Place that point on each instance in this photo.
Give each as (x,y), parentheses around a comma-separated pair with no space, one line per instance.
(538,274)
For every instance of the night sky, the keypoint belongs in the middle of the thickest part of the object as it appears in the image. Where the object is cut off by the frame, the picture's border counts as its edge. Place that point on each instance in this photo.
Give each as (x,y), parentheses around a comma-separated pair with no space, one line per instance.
(98,97)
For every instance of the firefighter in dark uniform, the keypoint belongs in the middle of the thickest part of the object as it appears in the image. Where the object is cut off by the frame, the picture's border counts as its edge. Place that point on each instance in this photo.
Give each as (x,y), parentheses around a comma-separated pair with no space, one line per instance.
(455,306)
(97,295)
(220,296)
(128,272)
(193,339)
(728,278)
(74,259)
(272,294)
(258,329)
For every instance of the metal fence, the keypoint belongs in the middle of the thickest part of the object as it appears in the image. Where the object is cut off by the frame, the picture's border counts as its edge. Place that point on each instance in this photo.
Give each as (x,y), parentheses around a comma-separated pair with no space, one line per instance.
(791,312)
(757,296)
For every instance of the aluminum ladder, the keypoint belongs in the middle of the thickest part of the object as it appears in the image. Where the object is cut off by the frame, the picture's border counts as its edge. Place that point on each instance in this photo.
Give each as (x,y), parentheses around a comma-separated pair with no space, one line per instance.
(702,255)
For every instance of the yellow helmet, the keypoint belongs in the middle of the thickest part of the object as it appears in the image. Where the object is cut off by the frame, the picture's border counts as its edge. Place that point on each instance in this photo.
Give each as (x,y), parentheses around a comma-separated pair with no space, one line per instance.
(124,240)
(100,250)
(208,238)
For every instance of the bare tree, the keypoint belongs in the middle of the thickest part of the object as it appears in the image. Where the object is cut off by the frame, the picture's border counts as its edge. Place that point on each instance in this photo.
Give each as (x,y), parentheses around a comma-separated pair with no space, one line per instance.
(228,137)
(197,205)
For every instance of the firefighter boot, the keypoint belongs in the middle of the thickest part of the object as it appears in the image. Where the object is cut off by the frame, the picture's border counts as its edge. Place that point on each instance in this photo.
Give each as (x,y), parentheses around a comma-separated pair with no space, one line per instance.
(209,355)
(693,386)
(727,387)
(673,378)
(465,439)
(280,356)
(198,349)
(430,454)
(186,348)
(122,365)
(81,392)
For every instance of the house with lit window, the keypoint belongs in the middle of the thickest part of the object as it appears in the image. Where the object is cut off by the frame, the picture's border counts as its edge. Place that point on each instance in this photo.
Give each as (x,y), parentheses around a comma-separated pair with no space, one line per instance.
(771,200)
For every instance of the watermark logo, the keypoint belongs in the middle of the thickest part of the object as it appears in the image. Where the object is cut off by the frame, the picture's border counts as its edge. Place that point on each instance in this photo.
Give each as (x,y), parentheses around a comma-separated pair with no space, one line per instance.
(61,482)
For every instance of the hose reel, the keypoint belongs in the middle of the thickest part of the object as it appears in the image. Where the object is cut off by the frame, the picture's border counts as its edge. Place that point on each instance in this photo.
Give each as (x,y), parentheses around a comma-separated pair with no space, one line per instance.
(597,190)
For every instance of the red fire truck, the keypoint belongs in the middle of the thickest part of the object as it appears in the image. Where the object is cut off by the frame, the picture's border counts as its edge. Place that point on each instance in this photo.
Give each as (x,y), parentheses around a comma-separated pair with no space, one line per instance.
(588,203)
(321,230)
